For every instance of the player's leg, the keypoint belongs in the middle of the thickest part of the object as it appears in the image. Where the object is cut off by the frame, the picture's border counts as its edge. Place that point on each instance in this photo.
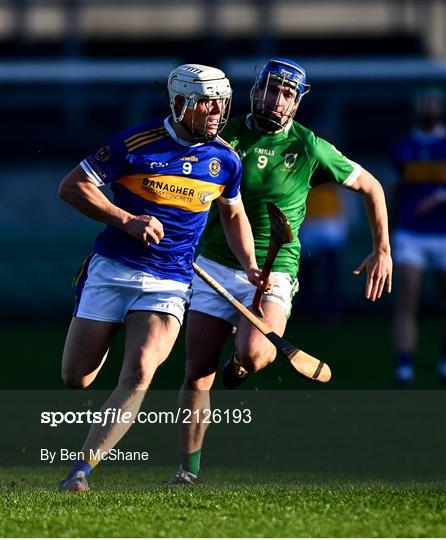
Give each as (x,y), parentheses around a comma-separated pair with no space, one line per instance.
(407,280)
(410,255)
(85,350)
(97,317)
(210,322)
(253,351)
(152,310)
(205,338)
(149,340)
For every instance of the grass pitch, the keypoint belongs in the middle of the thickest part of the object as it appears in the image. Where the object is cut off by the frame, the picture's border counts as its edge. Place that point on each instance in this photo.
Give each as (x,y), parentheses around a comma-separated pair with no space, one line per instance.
(131,502)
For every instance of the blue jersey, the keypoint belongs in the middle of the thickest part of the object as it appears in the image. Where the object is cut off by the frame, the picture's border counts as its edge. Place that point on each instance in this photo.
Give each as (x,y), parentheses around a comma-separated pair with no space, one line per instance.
(421,162)
(153,172)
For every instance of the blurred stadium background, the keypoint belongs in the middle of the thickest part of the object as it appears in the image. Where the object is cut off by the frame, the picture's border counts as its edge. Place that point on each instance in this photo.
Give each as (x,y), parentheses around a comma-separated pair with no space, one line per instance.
(73,72)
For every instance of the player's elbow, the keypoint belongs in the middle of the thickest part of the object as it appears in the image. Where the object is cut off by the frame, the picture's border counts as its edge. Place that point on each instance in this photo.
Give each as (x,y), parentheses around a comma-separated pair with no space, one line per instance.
(367,184)
(63,190)
(230,212)
(71,192)
(72,185)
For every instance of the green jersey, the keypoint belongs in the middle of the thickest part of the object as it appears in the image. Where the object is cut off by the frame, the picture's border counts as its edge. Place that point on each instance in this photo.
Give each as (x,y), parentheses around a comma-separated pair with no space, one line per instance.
(281,167)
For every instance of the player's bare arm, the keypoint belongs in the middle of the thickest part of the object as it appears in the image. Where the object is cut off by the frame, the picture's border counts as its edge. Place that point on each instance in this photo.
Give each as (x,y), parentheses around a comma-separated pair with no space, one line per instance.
(78,190)
(378,264)
(239,236)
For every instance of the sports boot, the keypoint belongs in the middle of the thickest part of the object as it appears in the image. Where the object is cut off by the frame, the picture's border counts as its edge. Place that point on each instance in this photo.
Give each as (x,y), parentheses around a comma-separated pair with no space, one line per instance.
(76,483)
(182,477)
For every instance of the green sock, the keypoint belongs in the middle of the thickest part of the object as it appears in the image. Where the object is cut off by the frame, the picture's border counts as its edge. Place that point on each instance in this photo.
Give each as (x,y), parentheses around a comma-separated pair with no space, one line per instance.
(191,462)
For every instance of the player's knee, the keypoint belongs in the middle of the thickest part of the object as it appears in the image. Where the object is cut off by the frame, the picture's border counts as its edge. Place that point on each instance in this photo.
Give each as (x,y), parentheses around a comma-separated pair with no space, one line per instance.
(74,380)
(199,375)
(139,378)
(256,359)
(201,383)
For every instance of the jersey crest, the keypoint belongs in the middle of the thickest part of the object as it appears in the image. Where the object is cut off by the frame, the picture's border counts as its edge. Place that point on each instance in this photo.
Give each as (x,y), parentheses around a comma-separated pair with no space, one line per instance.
(103,154)
(215,167)
(290,160)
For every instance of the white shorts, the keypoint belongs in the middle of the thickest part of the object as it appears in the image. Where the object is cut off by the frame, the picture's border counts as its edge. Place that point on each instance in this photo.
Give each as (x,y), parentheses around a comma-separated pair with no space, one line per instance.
(208,301)
(106,290)
(419,249)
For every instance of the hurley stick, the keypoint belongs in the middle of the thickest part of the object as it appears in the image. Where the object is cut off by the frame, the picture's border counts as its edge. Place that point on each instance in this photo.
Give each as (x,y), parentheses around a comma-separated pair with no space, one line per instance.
(303,363)
(280,234)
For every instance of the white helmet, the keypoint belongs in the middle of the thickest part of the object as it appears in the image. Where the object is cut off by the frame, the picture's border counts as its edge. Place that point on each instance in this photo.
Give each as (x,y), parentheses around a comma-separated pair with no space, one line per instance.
(194,83)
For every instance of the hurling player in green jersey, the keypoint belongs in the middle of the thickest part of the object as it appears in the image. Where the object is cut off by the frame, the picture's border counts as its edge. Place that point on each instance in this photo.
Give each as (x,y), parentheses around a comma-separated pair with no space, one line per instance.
(281,161)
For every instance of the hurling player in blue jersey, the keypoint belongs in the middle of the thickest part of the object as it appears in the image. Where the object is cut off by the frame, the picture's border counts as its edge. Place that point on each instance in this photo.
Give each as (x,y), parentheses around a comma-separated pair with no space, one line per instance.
(420,227)
(164,176)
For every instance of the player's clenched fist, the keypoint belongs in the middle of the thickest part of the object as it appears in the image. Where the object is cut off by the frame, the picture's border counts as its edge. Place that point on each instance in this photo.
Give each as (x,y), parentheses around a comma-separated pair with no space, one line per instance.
(255,277)
(145,228)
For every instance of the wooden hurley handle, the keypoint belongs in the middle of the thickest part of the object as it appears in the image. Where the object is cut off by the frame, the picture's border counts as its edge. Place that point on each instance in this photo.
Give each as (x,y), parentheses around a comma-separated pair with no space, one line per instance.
(303,363)
(266,271)
(280,234)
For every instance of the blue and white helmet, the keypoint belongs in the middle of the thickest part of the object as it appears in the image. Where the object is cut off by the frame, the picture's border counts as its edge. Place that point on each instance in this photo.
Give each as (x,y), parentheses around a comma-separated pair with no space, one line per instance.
(280,72)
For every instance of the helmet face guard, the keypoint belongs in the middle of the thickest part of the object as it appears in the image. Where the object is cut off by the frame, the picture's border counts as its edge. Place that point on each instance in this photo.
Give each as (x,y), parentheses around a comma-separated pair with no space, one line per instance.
(281,83)
(198,85)
(201,130)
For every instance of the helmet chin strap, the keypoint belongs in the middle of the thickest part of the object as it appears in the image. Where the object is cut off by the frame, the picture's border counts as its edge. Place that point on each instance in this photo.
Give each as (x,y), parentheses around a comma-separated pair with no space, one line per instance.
(266,123)
(196,136)
(202,135)
(186,128)
(265,119)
